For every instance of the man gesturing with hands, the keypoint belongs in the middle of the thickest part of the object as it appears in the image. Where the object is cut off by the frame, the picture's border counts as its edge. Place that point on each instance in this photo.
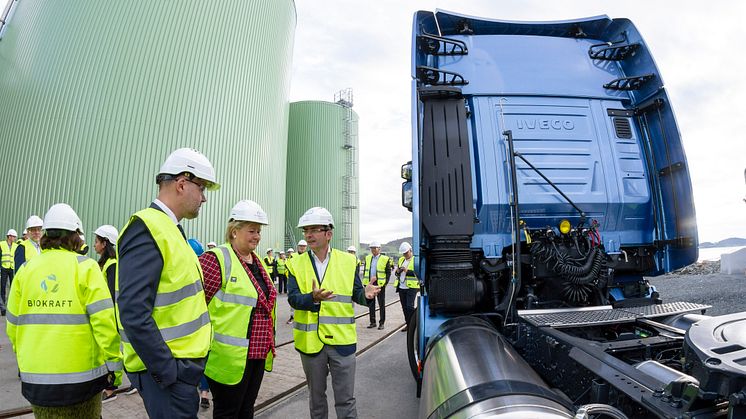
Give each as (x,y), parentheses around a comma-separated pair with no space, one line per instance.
(322,286)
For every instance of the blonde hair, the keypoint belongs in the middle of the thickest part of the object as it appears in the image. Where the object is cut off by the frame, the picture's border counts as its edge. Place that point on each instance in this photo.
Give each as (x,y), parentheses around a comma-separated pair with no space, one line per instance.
(234,225)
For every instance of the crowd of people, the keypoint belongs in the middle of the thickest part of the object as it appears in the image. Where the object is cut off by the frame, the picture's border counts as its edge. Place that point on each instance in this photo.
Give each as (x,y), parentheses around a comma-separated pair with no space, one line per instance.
(176,317)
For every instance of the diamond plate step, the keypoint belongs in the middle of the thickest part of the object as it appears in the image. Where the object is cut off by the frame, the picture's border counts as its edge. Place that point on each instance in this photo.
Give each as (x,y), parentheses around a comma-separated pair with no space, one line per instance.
(593,316)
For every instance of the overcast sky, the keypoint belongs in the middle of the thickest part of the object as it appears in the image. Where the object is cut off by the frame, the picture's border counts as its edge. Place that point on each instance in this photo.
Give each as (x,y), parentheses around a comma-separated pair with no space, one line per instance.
(365,45)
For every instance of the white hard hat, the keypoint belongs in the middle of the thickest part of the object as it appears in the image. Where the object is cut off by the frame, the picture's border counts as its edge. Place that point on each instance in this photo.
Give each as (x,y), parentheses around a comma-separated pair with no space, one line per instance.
(247,210)
(281,252)
(352,249)
(374,244)
(405,247)
(108,232)
(302,243)
(191,161)
(316,216)
(25,231)
(62,217)
(212,244)
(269,249)
(12,232)
(291,250)
(34,221)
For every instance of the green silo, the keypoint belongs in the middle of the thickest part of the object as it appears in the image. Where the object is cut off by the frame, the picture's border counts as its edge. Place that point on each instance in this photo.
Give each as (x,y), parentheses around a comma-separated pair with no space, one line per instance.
(322,168)
(95,94)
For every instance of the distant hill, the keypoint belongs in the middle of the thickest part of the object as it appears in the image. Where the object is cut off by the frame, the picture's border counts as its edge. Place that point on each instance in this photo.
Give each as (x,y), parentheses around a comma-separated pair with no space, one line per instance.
(729,242)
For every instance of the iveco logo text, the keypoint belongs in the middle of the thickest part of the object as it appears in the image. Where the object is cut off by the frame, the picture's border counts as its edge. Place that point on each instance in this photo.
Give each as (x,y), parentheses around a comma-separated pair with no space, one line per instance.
(556,124)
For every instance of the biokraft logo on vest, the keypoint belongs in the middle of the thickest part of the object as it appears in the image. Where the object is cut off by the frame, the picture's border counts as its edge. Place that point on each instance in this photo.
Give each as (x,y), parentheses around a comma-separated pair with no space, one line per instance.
(49,285)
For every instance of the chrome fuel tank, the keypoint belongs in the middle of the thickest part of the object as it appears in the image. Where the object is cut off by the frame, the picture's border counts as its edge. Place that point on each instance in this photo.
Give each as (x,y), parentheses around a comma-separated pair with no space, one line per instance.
(471,371)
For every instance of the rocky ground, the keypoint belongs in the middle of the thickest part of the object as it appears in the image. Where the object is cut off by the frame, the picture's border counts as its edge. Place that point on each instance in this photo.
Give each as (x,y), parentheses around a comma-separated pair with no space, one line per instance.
(703,283)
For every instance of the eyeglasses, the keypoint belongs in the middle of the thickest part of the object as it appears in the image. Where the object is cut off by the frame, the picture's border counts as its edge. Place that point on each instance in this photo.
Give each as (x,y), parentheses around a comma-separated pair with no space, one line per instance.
(201,187)
(314,230)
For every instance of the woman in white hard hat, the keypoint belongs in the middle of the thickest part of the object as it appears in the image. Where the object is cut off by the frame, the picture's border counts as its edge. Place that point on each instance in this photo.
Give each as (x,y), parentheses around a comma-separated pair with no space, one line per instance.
(406,284)
(66,354)
(241,300)
(105,238)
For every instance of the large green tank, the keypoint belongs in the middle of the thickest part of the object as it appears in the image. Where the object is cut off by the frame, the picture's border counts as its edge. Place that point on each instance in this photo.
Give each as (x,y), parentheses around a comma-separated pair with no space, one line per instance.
(95,94)
(322,168)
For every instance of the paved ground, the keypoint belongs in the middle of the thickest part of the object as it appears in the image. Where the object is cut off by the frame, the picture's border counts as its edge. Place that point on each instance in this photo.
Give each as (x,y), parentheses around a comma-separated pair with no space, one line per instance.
(384,387)
(287,373)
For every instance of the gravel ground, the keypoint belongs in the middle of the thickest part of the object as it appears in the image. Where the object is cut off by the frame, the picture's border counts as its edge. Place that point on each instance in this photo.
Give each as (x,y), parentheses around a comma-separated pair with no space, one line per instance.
(725,293)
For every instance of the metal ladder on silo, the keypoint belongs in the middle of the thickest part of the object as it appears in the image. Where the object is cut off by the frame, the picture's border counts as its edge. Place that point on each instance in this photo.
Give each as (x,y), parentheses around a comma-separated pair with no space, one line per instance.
(349,187)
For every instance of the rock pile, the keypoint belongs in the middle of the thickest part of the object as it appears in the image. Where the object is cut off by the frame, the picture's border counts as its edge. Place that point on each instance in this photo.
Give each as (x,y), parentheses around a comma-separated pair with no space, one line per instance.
(699,268)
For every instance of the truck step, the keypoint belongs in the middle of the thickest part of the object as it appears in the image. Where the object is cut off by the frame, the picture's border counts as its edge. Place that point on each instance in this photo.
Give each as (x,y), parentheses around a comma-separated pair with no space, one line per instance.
(594,316)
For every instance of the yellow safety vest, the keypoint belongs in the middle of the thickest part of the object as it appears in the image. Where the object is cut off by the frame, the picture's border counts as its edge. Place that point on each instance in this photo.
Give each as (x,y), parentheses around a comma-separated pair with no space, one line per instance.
(383,260)
(268,265)
(30,250)
(180,311)
(281,266)
(410,278)
(61,320)
(334,323)
(230,313)
(9,253)
(109,262)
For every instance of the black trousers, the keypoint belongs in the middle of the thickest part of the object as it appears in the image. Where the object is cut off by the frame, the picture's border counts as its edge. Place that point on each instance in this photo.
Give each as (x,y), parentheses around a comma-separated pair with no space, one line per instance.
(237,401)
(381,302)
(5,274)
(282,284)
(180,400)
(407,298)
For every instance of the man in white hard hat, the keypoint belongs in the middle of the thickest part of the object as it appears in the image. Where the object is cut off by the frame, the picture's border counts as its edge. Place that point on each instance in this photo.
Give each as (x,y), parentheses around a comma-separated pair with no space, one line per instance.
(379,275)
(29,248)
(282,277)
(322,285)
(163,316)
(353,251)
(270,264)
(302,245)
(406,283)
(8,249)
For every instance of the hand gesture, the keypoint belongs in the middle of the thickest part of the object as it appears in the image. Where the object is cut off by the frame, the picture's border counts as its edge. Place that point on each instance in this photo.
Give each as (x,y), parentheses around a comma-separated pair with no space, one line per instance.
(320,294)
(371,291)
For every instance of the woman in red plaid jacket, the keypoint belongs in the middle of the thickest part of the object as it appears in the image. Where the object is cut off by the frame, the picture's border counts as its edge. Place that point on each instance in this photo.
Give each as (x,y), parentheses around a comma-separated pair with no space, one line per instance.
(241,300)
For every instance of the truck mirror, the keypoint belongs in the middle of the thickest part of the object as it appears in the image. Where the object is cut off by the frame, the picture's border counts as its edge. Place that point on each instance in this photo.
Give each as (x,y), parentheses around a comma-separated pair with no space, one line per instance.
(406,195)
(406,171)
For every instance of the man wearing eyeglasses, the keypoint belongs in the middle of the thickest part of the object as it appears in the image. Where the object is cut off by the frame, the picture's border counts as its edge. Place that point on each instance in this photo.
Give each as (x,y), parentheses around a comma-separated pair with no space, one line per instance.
(322,285)
(161,309)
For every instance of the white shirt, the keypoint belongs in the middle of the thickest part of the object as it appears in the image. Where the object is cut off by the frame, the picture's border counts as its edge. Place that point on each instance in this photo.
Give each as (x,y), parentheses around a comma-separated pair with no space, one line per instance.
(167,210)
(321,266)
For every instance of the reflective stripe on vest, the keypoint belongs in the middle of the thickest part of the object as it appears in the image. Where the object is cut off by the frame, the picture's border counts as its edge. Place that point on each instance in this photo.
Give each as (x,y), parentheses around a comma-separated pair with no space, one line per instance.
(380,269)
(64,378)
(180,311)
(410,278)
(334,324)
(69,314)
(177,332)
(231,309)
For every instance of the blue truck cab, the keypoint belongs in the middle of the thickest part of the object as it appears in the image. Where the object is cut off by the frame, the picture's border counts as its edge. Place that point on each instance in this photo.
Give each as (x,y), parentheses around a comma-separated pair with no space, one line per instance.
(521,127)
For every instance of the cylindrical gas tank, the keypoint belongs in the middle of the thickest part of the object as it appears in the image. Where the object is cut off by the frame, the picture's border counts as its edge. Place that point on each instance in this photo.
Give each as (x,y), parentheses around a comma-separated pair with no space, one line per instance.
(471,371)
